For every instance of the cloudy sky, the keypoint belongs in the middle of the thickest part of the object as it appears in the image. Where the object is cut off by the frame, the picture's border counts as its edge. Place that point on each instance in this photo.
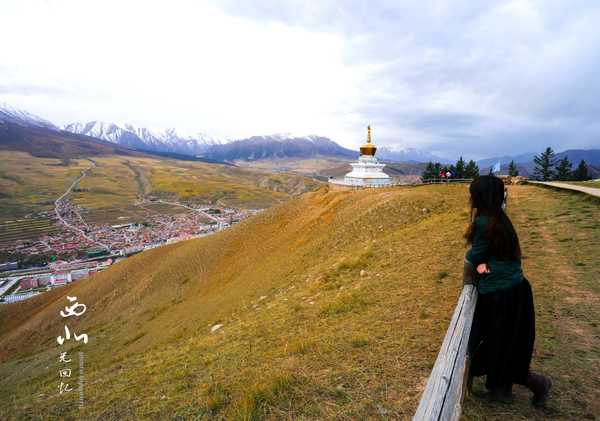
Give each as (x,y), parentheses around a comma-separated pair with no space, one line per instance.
(449,77)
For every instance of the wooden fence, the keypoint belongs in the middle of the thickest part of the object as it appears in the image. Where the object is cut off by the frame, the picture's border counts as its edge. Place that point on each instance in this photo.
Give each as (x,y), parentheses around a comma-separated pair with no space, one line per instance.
(446,180)
(443,394)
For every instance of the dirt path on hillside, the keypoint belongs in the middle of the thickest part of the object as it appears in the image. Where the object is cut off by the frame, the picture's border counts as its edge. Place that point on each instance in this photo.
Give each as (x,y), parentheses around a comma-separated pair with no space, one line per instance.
(58,203)
(144,185)
(592,191)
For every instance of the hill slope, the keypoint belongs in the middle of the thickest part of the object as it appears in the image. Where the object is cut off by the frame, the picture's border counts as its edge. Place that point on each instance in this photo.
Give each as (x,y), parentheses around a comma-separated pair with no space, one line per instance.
(50,143)
(333,305)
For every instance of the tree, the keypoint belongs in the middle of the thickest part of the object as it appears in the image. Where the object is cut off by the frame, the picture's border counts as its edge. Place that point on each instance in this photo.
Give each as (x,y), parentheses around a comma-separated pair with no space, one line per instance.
(513,171)
(460,168)
(471,170)
(582,172)
(544,165)
(563,169)
(429,172)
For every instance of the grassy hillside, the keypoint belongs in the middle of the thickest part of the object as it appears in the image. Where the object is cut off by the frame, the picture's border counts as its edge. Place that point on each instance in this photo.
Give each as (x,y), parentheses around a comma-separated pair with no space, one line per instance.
(333,306)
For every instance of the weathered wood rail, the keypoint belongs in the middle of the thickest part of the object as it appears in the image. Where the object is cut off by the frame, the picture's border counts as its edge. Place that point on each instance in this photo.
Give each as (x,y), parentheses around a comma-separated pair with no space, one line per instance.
(443,394)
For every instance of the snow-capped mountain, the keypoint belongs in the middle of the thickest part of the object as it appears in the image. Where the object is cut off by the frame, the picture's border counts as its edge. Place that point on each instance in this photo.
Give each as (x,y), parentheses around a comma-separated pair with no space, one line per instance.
(390,153)
(278,146)
(142,138)
(14,115)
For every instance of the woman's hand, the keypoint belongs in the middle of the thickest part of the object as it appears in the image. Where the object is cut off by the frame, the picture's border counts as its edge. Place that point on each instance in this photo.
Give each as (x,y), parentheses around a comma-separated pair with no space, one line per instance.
(483,268)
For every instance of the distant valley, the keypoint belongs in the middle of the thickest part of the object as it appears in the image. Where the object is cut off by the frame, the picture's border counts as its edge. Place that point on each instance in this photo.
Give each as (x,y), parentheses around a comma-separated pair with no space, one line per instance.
(60,192)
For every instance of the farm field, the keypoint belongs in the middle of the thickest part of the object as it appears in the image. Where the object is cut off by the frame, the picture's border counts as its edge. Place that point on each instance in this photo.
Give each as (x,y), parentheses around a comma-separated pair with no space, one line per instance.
(25,230)
(126,214)
(332,305)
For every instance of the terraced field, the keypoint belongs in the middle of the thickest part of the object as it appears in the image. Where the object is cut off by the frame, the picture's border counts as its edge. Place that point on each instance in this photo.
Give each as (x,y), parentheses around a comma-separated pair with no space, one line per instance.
(130,213)
(25,229)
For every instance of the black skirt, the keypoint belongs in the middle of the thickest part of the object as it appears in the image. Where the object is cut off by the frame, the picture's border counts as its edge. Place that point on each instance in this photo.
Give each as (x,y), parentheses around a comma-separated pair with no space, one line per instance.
(502,336)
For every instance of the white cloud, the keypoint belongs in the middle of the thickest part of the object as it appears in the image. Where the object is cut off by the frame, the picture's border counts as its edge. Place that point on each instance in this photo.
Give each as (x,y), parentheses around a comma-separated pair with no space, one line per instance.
(189,65)
(454,77)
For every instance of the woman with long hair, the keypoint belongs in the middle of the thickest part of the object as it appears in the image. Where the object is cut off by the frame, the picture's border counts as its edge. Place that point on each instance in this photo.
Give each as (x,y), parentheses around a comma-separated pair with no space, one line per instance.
(503,331)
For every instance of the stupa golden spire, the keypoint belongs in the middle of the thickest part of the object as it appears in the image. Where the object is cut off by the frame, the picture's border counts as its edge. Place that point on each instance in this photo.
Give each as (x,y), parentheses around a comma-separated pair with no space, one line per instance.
(368,148)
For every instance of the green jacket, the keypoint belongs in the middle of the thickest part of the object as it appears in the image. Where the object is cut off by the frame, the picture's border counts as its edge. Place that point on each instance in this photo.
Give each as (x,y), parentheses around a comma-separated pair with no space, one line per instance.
(503,273)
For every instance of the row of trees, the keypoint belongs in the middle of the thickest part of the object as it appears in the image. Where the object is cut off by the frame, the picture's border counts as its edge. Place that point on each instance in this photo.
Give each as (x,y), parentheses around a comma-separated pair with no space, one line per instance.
(549,167)
(462,169)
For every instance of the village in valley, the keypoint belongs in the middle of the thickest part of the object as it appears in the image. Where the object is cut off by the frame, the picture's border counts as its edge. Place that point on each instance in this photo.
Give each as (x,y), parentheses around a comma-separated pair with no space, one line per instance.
(74,246)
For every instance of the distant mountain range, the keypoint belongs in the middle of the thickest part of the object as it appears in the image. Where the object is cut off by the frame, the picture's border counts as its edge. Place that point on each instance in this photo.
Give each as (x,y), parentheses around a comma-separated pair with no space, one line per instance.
(25,132)
(388,153)
(256,148)
(145,139)
(23,118)
(526,165)
(278,146)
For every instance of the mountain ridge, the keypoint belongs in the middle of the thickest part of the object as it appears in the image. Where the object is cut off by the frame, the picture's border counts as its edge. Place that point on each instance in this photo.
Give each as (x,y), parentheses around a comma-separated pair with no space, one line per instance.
(143,138)
(261,147)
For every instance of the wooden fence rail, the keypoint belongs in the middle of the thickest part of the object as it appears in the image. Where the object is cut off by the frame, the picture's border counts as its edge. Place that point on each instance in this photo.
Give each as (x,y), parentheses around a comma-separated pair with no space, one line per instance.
(443,394)
(446,180)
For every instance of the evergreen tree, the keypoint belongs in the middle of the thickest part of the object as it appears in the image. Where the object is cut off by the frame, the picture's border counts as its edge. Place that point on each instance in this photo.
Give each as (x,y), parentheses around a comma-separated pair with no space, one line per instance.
(563,169)
(544,165)
(432,171)
(429,172)
(582,172)
(513,171)
(438,169)
(471,170)
(460,168)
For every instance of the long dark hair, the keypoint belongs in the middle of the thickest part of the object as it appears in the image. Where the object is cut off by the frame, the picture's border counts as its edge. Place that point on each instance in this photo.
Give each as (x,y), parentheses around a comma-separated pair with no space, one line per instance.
(487,196)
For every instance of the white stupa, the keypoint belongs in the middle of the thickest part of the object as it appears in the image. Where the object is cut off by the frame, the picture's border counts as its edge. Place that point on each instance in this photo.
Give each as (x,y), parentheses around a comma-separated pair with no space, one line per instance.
(367,171)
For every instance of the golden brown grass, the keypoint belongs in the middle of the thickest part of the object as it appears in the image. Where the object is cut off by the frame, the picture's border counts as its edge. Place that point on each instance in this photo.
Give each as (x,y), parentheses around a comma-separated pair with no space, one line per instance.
(333,306)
